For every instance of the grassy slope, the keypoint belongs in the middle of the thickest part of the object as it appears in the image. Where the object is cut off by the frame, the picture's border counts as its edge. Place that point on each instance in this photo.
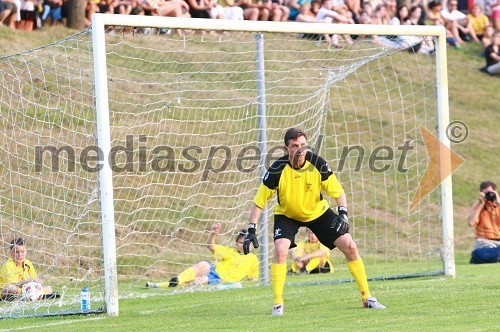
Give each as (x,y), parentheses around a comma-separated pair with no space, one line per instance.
(473,100)
(14,41)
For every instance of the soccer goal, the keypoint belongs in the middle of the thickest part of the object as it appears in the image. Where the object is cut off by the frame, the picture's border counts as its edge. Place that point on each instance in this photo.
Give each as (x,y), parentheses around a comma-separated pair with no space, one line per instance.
(121,146)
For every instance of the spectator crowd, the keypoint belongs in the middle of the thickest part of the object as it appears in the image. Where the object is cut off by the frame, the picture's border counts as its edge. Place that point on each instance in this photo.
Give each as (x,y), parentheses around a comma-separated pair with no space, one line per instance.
(480,23)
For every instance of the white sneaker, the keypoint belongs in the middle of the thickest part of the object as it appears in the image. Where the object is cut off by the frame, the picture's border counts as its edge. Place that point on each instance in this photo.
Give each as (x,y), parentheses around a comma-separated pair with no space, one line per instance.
(372,303)
(150,284)
(278,310)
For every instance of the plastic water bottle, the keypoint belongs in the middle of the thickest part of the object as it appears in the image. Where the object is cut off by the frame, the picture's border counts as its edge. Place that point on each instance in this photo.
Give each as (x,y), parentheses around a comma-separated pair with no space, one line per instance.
(85,298)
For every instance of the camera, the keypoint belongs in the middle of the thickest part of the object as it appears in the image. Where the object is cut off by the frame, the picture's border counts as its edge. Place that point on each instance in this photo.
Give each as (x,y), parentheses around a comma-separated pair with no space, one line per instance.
(490,196)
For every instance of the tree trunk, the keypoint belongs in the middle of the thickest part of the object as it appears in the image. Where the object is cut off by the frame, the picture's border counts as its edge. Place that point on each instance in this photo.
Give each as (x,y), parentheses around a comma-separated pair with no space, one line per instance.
(76,14)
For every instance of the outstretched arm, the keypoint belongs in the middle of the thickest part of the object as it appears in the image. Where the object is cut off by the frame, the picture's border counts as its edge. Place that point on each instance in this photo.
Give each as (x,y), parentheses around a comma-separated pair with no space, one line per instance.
(251,237)
(341,222)
(255,213)
(342,200)
(211,239)
(315,254)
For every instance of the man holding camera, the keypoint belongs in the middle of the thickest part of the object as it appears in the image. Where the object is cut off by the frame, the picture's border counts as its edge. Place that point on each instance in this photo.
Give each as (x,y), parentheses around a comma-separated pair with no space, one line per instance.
(485,217)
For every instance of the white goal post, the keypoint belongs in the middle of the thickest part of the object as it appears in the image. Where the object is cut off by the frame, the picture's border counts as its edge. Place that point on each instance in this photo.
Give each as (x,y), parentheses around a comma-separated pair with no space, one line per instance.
(99,23)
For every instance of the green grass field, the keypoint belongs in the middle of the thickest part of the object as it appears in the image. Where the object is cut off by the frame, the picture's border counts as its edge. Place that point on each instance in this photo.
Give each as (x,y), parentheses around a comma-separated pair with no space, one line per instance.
(467,303)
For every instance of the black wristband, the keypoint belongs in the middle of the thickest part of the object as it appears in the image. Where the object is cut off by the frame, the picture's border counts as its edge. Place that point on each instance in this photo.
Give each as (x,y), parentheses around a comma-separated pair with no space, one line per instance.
(342,210)
(251,228)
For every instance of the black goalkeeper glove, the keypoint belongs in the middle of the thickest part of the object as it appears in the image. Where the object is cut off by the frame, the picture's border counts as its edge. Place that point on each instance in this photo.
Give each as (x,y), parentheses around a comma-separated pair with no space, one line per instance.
(341,223)
(250,238)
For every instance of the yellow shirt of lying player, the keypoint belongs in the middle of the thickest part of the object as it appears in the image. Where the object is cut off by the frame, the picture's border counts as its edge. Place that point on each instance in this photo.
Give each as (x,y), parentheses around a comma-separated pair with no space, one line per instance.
(233,266)
(310,247)
(299,190)
(10,273)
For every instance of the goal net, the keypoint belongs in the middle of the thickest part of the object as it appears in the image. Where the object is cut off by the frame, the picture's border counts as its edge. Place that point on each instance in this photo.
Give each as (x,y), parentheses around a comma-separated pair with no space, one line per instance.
(122,145)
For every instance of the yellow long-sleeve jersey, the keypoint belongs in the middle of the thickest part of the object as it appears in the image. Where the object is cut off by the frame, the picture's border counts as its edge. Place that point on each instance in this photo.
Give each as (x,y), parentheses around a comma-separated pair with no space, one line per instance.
(299,191)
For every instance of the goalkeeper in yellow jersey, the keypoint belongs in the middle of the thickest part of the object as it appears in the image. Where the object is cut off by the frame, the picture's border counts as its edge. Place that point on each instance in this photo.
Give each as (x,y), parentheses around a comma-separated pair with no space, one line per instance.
(298,179)
(230,265)
(310,256)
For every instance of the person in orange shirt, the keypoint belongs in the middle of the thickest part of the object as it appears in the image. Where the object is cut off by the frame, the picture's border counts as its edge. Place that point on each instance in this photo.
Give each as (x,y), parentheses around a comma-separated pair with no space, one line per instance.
(485,217)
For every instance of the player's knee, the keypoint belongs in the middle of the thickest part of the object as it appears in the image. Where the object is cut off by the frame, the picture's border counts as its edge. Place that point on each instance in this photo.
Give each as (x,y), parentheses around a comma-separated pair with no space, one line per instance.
(280,253)
(202,267)
(10,289)
(280,257)
(351,251)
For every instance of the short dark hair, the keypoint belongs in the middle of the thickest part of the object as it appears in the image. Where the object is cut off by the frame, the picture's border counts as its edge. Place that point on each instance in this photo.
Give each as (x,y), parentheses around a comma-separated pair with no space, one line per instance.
(17,242)
(241,233)
(486,184)
(293,133)
(434,3)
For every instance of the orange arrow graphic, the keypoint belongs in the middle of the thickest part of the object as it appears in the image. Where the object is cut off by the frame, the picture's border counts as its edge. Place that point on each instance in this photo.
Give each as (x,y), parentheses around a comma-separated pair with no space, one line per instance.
(443,162)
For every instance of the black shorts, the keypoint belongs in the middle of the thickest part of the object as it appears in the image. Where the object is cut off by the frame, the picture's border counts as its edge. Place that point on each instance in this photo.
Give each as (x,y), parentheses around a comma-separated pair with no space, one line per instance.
(199,13)
(287,228)
(103,8)
(27,15)
(9,5)
(117,8)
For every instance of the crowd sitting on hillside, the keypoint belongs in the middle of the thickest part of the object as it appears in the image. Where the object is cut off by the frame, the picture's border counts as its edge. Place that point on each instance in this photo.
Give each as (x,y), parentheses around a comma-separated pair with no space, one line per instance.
(479,25)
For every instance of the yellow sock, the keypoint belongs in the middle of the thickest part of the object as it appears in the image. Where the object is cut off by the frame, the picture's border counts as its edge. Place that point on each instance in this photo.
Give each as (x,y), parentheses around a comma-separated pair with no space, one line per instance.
(186,276)
(313,264)
(278,276)
(163,284)
(357,269)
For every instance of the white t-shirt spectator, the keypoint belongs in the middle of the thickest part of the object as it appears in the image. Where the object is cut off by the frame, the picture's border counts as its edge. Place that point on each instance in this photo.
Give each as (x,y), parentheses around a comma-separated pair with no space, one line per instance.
(338,3)
(27,5)
(395,21)
(325,15)
(455,15)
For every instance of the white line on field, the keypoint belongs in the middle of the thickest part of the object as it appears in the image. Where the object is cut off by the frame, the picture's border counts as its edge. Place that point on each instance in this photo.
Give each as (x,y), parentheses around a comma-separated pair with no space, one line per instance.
(66,322)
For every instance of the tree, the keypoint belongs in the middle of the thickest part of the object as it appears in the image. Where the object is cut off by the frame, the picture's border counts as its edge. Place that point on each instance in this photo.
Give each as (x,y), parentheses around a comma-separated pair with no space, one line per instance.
(76,14)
